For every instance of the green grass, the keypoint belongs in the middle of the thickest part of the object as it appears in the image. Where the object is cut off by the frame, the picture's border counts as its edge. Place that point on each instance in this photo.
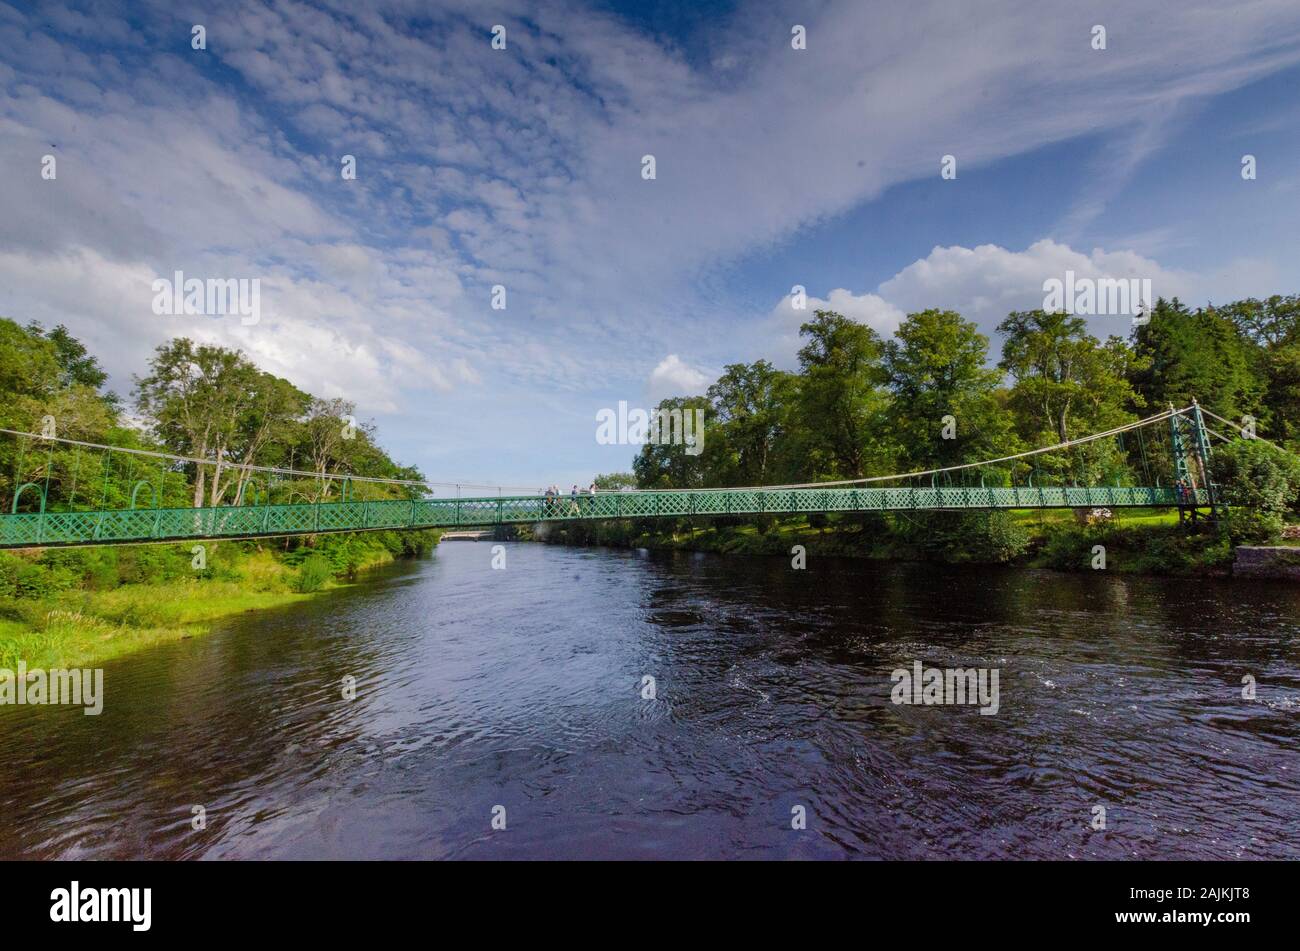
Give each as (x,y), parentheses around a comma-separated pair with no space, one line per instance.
(81,627)
(1119,516)
(89,628)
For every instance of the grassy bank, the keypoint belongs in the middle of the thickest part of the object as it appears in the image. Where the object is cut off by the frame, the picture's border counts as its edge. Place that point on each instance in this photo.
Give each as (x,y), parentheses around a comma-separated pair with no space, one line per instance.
(1141,541)
(81,607)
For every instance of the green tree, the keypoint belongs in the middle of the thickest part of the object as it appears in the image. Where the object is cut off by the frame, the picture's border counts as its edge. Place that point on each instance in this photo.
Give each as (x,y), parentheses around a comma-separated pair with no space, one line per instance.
(1260,481)
(1282,373)
(614,481)
(937,367)
(1066,385)
(668,463)
(1198,355)
(274,406)
(76,364)
(214,403)
(50,375)
(1273,326)
(29,364)
(841,398)
(750,404)
(1270,323)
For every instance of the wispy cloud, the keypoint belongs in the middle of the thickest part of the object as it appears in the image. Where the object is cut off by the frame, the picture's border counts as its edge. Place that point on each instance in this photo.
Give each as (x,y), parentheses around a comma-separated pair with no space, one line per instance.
(522,167)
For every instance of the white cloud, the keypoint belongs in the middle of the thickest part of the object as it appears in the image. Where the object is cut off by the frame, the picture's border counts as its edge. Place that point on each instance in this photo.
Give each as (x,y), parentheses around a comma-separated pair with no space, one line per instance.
(987,282)
(674,377)
(522,168)
(784,320)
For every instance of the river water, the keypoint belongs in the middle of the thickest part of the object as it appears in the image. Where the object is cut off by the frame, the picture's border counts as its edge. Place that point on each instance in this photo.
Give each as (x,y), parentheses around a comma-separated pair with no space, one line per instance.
(522,689)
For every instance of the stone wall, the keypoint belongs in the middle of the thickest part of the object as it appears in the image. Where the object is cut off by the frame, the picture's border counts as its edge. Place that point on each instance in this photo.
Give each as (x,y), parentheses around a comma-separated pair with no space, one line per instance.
(1259,561)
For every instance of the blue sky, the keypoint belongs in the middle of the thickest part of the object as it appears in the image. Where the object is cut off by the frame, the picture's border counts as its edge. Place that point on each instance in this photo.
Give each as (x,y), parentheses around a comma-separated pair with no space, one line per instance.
(521,167)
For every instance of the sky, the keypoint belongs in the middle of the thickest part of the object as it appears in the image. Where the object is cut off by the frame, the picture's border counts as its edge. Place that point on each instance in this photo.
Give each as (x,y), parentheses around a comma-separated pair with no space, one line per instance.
(522,168)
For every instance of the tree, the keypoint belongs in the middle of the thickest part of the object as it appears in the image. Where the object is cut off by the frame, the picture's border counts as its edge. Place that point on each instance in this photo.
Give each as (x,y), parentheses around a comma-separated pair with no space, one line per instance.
(214,403)
(666,463)
(327,425)
(841,399)
(274,405)
(614,481)
(76,364)
(1263,482)
(749,403)
(194,396)
(39,378)
(937,367)
(1282,373)
(1066,385)
(1269,323)
(1273,326)
(29,364)
(1198,355)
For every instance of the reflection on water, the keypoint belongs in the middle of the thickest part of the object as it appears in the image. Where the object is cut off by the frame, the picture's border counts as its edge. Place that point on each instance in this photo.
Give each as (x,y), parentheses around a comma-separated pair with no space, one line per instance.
(522,688)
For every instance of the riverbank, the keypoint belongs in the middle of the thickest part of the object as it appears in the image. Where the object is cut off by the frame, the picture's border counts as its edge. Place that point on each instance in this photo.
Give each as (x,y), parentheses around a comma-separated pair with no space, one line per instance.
(1138,541)
(80,608)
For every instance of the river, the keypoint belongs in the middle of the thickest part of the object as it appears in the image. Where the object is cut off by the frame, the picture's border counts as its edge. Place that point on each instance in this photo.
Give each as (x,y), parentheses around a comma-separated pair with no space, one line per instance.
(523,688)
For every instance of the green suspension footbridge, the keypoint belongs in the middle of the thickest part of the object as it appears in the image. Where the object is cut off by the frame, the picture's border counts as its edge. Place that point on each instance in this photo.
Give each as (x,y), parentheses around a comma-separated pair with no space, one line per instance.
(35,520)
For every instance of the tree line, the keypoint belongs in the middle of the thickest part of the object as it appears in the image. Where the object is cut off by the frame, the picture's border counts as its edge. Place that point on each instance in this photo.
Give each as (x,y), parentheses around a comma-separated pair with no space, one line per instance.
(856,406)
(194,400)
(932,397)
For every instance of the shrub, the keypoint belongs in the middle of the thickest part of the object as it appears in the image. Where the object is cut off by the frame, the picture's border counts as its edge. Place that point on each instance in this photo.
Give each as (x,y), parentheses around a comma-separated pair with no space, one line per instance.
(1252,474)
(995,536)
(314,573)
(1254,526)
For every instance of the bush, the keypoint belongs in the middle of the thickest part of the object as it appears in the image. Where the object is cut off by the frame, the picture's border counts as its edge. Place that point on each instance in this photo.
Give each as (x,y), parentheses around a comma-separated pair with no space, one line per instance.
(1252,474)
(964,536)
(22,576)
(314,573)
(1254,526)
(1004,538)
(1161,549)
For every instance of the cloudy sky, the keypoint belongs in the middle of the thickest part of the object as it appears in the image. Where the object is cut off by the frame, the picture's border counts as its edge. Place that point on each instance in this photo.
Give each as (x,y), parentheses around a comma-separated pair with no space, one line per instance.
(522,167)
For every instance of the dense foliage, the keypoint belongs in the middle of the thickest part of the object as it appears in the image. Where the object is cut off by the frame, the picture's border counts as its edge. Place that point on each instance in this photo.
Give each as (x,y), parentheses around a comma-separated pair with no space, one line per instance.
(193,400)
(934,396)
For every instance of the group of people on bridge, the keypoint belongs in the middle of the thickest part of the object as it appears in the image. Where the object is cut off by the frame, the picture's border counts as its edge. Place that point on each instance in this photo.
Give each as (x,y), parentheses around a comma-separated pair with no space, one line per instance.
(554,499)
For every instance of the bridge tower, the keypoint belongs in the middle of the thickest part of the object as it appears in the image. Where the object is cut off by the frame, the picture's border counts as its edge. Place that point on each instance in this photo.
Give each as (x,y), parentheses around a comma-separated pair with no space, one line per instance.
(1179,445)
(1202,441)
(1194,421)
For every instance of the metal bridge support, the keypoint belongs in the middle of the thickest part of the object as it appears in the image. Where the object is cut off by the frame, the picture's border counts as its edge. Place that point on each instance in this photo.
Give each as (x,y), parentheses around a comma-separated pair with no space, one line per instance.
(1200,481)
(1182,475)
(1179,447)
(1202,442)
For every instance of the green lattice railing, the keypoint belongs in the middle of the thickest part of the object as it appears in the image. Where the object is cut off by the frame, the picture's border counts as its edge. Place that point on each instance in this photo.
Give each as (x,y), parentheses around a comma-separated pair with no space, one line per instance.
(40,529)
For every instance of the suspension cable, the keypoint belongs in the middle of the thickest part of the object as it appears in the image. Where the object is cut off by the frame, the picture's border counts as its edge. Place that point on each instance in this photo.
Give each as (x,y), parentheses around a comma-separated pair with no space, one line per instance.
(276,470)
(1138,424)
(422,483)
(1241,430)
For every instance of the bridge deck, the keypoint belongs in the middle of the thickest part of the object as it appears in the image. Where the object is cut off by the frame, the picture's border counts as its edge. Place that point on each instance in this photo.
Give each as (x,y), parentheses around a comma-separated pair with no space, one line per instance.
(29,530)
